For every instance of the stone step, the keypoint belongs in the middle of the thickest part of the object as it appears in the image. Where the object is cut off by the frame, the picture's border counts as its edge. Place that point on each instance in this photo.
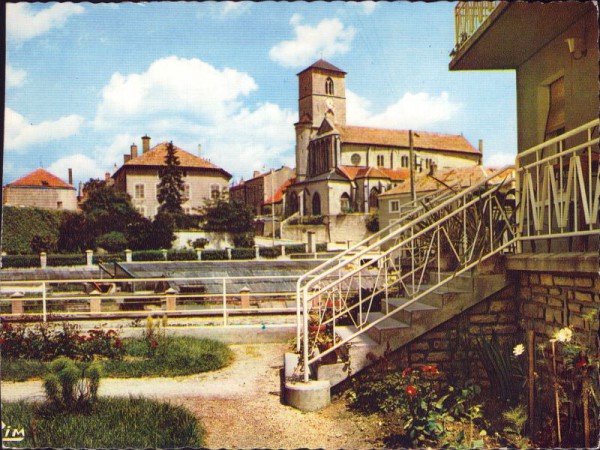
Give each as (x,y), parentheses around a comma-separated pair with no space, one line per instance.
(464,281)
(411,313)
(384,330)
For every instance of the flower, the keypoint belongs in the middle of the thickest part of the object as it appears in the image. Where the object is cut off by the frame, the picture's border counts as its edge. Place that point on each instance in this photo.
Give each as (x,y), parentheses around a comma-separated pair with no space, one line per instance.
(519,349)
(432,369)
(153,344)
(406,371)
(411,390)
(118,343)
(582,361)
(563,335)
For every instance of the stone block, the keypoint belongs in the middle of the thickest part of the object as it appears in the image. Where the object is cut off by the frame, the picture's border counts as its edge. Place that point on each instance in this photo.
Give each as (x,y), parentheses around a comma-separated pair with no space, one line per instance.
(506,318)
(574,307)
(597,284)
(502,306)
(534,278)
(419,346)
(583,296)
(555,302)
(525,293)
(417,357)
(584,282)
(95,305)
(505,329)
(474,329)
(563,281)
(577,322)
(310,396)
(487,318)
(553,316)
(533,311)
(588,310)
(438,357)
(539,290)
(546,279)
(539,299)
(440,345)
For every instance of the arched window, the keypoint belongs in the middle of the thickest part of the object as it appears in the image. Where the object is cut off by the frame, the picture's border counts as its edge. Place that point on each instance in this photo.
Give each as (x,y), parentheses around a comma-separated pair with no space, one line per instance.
(329,86)
(345,203)
(293,207)
(316,204)
(373,200)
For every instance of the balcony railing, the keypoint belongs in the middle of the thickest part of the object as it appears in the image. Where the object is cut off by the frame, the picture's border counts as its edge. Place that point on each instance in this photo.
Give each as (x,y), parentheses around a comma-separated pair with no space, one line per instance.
(468,17)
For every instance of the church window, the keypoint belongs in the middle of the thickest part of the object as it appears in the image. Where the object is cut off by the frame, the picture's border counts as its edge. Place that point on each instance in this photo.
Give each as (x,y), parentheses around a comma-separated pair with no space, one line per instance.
(293,207)
(345,203)
(373,200)
(329,86)
(355,159)
(316,204)
(380,161)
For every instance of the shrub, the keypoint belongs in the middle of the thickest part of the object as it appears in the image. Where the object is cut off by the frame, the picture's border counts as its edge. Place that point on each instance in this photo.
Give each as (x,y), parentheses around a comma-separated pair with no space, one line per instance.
(21,225)
(214,255)
(243,240)
(199,243)
(372,223)
(44,243)
(71,388)
(108,258)
(295,248)
(270,252)
(243,253)
(20,261)
(321,248)
(66,260)
(114,241)
(182,255)
(147,255)
(307,220)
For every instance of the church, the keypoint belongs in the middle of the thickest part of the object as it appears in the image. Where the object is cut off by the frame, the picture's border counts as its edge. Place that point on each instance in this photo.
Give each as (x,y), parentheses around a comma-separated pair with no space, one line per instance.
(343,169)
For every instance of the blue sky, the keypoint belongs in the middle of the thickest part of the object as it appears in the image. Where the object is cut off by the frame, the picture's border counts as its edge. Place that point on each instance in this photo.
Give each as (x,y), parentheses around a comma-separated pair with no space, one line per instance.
(85,81)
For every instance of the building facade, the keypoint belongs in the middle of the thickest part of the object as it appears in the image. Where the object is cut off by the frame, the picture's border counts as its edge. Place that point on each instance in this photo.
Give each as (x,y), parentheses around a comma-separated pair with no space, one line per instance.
(139,177)
(342,168)
(257,191)
(41,189)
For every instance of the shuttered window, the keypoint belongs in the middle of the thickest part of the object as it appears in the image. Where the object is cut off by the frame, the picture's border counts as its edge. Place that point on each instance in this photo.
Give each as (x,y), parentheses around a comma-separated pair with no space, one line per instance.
(555,124)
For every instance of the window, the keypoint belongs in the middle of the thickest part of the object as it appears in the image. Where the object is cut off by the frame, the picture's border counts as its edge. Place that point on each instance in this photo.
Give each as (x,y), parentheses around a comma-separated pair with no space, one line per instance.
(404,161)
(394,206)
(380,160)
(329,86)
(555,123)
(293,205)
(316,204)
(215,192)
(139,191)
(185,193)
(355,159)
(345,203)
(141,210)
(59,205)
(373,200)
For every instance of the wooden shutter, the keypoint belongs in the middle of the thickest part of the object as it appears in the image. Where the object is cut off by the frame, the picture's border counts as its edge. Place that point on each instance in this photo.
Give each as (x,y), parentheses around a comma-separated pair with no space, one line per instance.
(556,113)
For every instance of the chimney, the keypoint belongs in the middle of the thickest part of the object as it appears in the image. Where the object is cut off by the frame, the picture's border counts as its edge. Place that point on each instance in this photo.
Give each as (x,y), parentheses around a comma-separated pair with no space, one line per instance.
(199,149)
(126,158)
(255,174)
(133,151)
(70,176)
(481,146)
(106,176)
(146,143)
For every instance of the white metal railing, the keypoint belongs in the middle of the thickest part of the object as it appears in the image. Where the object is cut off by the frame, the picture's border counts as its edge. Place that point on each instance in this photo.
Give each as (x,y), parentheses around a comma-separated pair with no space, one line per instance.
(468,17)
(468,227)
(131,297)
(558,186)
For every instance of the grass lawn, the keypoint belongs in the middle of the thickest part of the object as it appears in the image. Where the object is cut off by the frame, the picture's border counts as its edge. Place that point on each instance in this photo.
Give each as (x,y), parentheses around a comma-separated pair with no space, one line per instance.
(173,356)
(112,423)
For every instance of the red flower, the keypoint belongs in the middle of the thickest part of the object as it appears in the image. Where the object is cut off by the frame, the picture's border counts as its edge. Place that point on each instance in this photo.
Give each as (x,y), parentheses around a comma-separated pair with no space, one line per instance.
(582,361)
(432,369)
(153,344)
(406,371)
(411,390)
(118,343)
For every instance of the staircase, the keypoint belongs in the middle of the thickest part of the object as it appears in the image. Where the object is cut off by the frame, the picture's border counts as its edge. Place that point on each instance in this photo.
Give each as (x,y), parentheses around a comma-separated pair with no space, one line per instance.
(400,283)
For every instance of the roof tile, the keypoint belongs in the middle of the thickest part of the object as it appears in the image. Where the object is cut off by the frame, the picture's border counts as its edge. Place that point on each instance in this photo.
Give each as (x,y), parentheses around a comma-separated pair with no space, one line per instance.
(40,178)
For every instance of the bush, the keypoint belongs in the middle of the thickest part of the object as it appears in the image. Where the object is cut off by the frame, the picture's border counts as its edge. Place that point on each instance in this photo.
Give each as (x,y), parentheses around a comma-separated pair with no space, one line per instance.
(108,258)
(307,220)
(147,255)
(182,255)
(20,261)
(21,225)
(321,248)
(71,388)
(46,243)
(214,255)
(270,252)
(199,243)
(372,223)
(114,241)
(243,253)
(66,260)
(296,248)
(243,240)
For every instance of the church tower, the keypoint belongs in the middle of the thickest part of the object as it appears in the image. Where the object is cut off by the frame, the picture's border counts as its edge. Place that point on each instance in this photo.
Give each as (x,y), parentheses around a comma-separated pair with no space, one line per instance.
(321,91)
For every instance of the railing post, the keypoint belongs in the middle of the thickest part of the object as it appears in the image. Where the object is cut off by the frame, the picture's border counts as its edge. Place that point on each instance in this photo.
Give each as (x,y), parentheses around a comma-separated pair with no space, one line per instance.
(298,316)
(43,260)
(199,254)
(305,331)
(360,307)
(128,256)
(224,302)
(44,306)
(89,257)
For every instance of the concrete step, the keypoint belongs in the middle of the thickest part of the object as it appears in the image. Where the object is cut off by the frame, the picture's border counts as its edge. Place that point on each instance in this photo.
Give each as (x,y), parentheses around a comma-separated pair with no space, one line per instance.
(463,282)
(384,330)
(411,313)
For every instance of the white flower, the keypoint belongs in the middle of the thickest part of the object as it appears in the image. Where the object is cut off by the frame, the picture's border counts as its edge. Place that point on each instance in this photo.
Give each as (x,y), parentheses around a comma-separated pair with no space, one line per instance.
(519,349)
(564,335)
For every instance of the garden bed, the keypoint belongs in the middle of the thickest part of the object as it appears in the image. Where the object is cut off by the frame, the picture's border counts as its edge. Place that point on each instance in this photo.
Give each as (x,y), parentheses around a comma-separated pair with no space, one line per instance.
(111,423)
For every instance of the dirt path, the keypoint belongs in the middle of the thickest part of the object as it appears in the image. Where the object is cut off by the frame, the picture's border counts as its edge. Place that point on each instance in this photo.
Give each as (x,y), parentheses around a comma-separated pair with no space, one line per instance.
(239,405)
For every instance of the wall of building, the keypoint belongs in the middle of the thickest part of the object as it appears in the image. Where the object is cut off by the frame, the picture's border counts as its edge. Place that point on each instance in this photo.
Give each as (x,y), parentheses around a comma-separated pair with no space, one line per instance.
(337,228)
(312,96)
(49,198)
(550,63)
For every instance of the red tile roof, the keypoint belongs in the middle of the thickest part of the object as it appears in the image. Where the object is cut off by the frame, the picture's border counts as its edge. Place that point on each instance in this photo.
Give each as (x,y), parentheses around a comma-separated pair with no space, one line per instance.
(156,157)
(278,196)
(323,65)
(464,176)
(40,178)
(399,138)
(354,172)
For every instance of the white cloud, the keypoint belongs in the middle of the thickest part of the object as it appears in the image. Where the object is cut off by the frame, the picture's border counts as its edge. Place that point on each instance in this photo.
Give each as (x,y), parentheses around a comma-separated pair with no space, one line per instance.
(368,7)
(418,111)
(329,38)
(83,167)
(23,24)
(173,85)
(498,160)
(234,9)
(19,133)
(15,77)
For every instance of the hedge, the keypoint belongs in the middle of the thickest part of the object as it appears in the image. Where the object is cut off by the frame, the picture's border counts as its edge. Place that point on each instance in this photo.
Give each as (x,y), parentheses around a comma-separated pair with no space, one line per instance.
(295,248)
(147,255)
(214,255)
(241,253)
(109,258)
(20,261)
(270,252)
(21,225)
(66,260)
(182,255)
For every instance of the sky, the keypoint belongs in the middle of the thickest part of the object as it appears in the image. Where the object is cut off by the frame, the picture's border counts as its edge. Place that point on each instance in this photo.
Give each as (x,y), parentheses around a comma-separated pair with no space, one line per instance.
(85,81)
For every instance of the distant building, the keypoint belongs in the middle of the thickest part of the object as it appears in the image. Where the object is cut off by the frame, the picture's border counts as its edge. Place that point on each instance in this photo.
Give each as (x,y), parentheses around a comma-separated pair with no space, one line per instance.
(392,203)
(261,187)
(41,189)
(139,177)
(343,168)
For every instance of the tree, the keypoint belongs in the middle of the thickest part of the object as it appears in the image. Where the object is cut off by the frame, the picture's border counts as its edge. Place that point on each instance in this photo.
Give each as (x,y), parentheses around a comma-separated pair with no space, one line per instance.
(170,187)
(232,217)
(106,209)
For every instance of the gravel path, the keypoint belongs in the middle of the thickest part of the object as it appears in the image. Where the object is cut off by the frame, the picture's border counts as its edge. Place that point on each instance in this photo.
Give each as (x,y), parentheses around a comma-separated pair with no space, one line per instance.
(239,405)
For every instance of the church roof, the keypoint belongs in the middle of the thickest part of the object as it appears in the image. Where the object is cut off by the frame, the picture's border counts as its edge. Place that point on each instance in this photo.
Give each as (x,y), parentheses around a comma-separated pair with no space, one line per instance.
(399,138)
(323,65)
(357,172)
(156,157)
(40,178)
(278,196)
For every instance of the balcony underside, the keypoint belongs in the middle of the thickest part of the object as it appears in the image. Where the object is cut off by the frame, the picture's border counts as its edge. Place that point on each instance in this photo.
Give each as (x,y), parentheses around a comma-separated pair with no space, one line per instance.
(514,32)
